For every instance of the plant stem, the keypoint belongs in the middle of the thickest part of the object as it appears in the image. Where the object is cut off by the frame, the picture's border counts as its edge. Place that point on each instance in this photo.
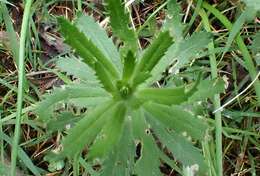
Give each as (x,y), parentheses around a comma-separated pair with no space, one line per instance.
(76,165)
(218,119)
(80,5)
(208,158)
(20,86)
(241,45)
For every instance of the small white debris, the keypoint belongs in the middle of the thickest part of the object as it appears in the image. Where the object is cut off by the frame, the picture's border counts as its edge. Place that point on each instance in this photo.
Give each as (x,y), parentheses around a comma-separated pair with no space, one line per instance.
(62,87)
(199,102)
(68,126)
(200,117)
(170,16)
(129,117)
(184,133)
(225,78)
(189,138)
(191,170)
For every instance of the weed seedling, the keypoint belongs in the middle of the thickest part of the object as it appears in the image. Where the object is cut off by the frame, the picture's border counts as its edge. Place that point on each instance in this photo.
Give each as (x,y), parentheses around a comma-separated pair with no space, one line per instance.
(129,123)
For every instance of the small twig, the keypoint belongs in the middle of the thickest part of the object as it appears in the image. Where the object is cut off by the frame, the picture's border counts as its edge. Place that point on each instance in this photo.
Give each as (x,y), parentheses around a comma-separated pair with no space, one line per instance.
(39,72)
(187,12)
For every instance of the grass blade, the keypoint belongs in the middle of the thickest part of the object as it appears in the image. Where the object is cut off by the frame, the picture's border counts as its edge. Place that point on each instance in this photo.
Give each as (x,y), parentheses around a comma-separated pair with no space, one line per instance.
(20,85)
(14,44)
(23,156)
(240,43)
(236,28)
(218,118)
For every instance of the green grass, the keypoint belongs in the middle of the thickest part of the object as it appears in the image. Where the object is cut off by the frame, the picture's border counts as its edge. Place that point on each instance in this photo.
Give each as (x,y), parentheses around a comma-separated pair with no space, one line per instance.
(20,92)
(243,48)
(218,118)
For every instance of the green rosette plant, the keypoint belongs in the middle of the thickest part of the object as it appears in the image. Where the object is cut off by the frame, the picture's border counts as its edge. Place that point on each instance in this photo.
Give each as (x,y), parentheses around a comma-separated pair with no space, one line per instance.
(130,122)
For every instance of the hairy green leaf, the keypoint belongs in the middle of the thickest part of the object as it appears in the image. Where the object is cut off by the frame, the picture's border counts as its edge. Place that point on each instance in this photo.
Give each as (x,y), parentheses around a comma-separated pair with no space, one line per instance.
(168,96)
(119,20)
(140,78)
(45,107)
(181,53)
(178,119)
(181,148)
(173,21)
(129,65)
(89,102)
(207,89)
(148,163)
(154,53)
(77,68)
(86,130)
(188,49)
(104,78)
(121,160)
(85,47)
(99,36)
(252,3)
(65,118)
(110,134)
